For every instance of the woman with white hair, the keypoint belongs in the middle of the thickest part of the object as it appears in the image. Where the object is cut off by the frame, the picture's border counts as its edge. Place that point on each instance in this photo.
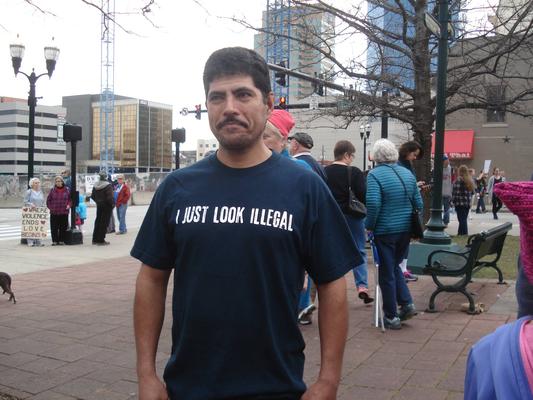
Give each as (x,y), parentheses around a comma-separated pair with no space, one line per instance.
(391,195)
(34,197)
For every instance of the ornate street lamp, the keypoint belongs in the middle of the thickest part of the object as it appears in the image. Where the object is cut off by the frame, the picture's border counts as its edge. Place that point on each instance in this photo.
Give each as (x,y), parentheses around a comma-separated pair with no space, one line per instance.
(51,54)
(364,131)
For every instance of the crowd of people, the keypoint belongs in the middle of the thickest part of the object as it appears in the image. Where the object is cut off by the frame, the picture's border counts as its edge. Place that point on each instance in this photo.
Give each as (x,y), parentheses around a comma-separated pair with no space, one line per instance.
(260,228)
(297,229)
(107,195)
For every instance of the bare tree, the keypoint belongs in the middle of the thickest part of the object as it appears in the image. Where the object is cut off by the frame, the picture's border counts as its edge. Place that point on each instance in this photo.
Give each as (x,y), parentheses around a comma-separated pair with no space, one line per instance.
(401,58)
(142,8)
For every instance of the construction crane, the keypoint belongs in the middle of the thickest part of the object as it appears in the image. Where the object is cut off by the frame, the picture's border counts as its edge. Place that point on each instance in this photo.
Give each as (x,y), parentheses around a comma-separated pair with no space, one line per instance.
(107,90)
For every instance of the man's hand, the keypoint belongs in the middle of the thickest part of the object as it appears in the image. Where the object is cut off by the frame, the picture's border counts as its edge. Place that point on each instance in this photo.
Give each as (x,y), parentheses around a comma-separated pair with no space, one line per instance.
(321,390)
(151,388)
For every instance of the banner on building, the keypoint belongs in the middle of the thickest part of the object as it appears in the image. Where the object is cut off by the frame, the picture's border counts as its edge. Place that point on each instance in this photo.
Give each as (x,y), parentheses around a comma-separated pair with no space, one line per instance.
(34,223)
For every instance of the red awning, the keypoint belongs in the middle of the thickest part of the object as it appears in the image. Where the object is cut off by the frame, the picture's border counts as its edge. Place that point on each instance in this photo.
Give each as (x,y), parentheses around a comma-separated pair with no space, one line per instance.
(457,144)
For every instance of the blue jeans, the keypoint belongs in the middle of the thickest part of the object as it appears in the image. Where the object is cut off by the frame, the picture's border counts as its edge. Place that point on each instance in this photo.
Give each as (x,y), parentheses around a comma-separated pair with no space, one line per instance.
(462,217)
(446,200)
(121,215)
(391,249)
(305,296)
(357,228)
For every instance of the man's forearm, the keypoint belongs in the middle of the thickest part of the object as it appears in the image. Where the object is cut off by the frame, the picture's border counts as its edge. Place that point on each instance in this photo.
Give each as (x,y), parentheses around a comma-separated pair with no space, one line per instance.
(333,327)
(148,316)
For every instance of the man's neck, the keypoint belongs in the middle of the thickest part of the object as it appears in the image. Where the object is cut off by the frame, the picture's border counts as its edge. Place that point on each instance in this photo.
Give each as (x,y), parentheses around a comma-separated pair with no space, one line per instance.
(244,158)
(302,153)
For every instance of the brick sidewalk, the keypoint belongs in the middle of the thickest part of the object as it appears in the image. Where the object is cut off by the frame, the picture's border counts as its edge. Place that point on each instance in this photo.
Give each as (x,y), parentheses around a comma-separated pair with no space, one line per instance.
(70,336)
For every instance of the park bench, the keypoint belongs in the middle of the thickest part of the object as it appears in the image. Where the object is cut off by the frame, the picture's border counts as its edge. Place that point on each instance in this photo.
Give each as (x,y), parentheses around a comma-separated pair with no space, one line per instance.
(466,261)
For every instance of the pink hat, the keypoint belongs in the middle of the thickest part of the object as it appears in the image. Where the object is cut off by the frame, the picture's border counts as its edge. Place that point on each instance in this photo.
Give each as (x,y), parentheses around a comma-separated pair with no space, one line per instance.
(518,197)
(282,120)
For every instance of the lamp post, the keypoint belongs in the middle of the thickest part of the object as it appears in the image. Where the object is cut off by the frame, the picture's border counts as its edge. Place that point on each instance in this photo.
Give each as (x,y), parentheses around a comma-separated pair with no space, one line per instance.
(72,134)
(51,55)
(384,115)
(364,131)
(435,238)
(435,233)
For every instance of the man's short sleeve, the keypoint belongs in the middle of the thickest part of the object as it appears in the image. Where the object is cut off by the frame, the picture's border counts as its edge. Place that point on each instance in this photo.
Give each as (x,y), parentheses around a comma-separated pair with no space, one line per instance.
(153,245)
(331,248)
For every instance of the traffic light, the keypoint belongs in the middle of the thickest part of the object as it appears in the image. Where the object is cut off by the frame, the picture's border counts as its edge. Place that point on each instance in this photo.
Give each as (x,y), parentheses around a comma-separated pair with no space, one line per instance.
(282,103)
(318,86)
(281,77)
(178,135)
(198,111)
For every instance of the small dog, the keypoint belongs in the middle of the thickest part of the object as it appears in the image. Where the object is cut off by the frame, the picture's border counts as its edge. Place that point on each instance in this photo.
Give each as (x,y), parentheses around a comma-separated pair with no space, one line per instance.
(5,284)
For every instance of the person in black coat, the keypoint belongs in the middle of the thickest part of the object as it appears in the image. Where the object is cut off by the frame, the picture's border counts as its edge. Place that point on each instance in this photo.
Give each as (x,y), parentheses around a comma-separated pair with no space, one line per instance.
(102,195)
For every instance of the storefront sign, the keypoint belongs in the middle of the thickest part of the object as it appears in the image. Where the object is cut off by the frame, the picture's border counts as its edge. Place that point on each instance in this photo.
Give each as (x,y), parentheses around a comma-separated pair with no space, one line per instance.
(454,156)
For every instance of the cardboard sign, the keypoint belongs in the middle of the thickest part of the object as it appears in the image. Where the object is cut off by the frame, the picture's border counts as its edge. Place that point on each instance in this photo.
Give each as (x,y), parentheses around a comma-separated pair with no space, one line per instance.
(90,180)
(486,166)
(34,223)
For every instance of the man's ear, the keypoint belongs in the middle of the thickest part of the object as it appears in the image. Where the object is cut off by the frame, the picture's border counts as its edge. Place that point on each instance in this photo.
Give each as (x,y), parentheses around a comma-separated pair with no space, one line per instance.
(270,102)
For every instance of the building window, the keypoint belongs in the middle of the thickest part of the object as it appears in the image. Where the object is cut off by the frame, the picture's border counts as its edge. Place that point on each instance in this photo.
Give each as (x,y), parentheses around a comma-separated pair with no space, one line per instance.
(495,102)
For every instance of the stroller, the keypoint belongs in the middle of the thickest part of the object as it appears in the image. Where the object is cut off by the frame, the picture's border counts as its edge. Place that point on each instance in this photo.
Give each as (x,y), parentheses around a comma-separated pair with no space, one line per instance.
(378,309)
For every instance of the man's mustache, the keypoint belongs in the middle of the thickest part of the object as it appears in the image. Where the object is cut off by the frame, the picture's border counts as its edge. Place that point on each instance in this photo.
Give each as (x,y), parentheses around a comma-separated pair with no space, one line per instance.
(231,120)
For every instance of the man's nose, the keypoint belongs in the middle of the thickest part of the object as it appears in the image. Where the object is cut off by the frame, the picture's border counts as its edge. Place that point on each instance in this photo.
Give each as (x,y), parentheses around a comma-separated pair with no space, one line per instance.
(231,105)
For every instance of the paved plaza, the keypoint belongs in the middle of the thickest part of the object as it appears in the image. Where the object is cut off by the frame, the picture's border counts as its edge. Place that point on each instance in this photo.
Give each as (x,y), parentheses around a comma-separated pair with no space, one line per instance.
(70,335)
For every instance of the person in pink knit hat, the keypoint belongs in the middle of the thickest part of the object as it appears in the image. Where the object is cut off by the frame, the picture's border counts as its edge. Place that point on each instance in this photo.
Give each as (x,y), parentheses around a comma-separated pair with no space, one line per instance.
(518,197)
(500,365)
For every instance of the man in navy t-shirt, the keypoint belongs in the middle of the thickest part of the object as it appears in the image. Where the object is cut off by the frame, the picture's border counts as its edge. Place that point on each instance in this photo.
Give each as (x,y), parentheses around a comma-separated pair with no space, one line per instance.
(238,228)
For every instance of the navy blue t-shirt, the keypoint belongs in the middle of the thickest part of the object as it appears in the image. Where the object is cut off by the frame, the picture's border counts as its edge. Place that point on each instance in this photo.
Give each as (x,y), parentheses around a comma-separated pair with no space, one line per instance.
(238,240)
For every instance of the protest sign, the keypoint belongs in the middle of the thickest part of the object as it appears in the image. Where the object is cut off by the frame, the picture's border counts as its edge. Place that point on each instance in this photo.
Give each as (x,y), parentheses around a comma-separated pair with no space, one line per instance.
(34,222)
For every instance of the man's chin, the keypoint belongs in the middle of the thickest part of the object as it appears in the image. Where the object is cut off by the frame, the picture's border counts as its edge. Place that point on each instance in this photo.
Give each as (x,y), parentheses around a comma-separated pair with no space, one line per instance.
(235,142)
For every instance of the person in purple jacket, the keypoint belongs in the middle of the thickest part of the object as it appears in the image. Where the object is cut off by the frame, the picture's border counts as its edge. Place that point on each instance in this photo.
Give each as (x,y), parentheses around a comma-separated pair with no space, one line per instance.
(500,365)
(58,202)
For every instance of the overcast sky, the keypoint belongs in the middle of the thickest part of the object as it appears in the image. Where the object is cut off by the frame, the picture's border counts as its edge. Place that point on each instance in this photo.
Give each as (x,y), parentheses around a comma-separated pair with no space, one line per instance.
(162,64)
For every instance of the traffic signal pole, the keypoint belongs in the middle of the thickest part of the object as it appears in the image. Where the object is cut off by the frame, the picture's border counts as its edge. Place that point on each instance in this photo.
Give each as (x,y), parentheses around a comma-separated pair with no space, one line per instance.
(305,77)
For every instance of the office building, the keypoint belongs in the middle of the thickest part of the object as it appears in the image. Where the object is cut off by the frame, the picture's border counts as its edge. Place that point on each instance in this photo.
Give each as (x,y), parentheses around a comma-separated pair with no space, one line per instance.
(49,153)
(205,147)
(305,24)
(142,133)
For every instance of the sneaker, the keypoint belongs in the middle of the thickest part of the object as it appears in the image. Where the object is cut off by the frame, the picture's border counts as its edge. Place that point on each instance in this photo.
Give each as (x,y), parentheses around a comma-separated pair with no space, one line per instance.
(407,312)
(363,295)
(104,243)
(306,319)
(393,323)
(409,277)
(307,310)
(305,316)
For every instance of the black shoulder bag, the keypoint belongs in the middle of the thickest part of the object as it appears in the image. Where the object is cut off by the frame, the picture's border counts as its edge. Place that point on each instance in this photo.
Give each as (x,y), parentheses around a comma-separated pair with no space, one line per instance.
(417,226)
(356,208)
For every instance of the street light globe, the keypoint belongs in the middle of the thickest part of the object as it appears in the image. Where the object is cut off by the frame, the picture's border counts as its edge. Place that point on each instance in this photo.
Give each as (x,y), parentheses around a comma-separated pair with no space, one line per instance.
(51,54)
(17,52)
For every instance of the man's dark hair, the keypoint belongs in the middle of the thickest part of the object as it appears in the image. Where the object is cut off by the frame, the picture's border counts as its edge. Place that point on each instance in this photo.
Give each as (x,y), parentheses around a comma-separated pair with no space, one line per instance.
(342,147)
(232,61)
(409,147)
